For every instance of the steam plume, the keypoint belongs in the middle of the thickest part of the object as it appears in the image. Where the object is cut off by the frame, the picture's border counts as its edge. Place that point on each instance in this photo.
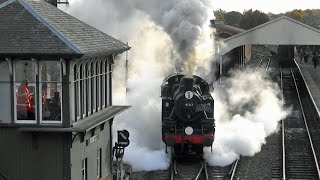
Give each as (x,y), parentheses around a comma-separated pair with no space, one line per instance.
(247,110)
(166,36)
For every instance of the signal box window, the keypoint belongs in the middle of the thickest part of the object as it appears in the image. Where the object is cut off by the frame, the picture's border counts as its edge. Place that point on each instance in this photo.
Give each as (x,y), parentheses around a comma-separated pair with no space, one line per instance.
(50,91)
(25,91)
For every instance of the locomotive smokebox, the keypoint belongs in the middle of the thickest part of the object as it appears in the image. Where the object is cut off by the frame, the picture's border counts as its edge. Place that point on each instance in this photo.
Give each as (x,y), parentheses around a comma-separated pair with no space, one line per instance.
(187,83)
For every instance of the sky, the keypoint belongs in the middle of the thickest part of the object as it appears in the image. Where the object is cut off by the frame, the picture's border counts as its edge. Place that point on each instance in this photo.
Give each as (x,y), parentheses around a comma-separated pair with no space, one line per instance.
(274,6)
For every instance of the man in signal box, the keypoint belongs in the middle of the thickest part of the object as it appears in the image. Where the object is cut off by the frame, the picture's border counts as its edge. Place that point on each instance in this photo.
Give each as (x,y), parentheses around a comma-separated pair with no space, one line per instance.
(25,110)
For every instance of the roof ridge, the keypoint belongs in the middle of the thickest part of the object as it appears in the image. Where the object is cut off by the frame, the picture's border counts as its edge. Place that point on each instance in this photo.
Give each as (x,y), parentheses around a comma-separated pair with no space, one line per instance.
(270,22)
(49,26)
(301,23)
(6,3)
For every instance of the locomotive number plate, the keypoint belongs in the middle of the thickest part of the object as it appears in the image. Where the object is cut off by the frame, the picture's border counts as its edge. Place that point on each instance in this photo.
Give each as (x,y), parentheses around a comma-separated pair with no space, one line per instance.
(188,94)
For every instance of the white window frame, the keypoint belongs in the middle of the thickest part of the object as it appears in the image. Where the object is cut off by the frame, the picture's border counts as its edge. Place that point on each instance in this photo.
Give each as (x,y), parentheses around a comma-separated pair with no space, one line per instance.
(15,94)
(40,99)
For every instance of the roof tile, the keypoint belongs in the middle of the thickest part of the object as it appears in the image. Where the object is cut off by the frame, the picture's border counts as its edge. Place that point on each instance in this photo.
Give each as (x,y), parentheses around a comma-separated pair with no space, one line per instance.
(37,27)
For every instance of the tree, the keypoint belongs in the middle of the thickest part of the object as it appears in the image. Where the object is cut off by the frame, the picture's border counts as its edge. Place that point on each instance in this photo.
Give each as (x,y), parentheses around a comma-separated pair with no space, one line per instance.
(252,19)
(274,16)
(233,18)
(308,12)
(220,14)
(296,14)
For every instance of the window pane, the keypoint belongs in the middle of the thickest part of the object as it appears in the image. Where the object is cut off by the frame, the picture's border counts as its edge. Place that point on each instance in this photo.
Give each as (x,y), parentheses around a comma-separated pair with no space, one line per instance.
(88,89)
(101,85)
(93,87)
(81,91)
(51,101)
(99,164)
(25,88)
(25,70)
(97,87)
(75,90)
(51,90)
(50,71)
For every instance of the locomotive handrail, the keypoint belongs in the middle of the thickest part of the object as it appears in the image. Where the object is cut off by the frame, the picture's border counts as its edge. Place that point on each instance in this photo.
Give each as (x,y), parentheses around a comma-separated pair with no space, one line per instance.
(305,122)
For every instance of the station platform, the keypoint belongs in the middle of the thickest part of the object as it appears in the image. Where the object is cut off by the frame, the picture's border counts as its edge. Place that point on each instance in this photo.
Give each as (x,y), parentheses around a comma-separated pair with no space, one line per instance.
(312,79)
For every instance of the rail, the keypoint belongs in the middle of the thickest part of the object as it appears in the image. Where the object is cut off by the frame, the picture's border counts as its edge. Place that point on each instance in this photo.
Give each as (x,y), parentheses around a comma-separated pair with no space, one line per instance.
(203,169)
(282,130)
(233,170)
(305,122)
(314,103)
(261,56)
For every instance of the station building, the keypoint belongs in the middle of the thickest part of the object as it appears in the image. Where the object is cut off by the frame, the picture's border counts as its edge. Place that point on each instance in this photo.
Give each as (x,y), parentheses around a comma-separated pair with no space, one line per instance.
(55,94)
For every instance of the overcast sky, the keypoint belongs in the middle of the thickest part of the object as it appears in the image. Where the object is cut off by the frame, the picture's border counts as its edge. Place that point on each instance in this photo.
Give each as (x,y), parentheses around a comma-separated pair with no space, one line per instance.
(274,6)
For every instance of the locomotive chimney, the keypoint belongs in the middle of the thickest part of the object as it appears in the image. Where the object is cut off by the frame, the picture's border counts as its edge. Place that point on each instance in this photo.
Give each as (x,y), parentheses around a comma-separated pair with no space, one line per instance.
(187,83)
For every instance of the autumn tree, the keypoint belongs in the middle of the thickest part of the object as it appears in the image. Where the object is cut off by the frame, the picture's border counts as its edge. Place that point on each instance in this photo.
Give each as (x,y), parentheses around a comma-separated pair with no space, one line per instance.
(220,14)
(296,14)
(252,19)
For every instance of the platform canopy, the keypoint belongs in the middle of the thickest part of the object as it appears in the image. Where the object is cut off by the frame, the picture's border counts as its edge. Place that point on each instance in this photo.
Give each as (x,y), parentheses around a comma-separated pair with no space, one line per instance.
(280,31)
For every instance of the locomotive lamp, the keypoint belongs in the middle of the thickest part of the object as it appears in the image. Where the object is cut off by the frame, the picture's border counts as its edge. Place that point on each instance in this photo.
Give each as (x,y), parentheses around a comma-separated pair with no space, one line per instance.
(188,130)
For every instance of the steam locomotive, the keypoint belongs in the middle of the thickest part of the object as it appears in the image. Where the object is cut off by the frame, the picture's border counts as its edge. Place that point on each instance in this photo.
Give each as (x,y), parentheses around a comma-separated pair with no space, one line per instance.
(187,114)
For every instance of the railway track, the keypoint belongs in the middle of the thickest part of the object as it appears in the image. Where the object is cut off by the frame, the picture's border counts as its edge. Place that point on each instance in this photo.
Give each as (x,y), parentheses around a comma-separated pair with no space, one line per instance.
(298,158)
(190,171)
(263,63)
(200,170)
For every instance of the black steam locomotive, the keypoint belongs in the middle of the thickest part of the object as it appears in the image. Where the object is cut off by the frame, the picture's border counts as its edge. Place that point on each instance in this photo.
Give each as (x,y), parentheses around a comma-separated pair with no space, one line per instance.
(187,114)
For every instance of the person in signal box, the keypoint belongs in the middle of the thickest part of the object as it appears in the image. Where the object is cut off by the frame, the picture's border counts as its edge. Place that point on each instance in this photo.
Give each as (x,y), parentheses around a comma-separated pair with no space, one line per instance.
(25,110)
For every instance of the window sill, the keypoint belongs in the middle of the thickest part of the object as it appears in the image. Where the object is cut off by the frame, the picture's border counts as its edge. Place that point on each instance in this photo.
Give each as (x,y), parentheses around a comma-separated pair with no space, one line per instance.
(85,124)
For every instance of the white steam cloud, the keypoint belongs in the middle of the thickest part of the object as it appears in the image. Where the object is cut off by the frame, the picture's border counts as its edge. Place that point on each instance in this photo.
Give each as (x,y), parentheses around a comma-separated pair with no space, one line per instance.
(149,63)
(247,110)
(168,36)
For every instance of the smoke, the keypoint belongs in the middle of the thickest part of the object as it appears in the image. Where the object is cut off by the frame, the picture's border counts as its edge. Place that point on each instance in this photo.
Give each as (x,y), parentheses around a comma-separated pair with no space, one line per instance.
(149,63)
(168,36)
(247,110)
(183,21)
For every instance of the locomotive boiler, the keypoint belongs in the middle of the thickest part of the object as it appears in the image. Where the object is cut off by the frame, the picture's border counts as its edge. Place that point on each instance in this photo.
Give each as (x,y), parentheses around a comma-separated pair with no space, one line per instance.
(187,114)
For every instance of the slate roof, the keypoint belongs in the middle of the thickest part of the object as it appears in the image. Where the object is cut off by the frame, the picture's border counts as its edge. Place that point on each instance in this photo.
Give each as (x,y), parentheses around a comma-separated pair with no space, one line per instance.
(36,27)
